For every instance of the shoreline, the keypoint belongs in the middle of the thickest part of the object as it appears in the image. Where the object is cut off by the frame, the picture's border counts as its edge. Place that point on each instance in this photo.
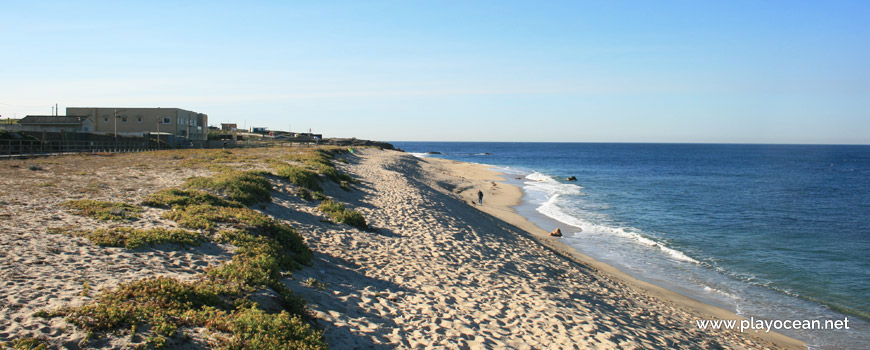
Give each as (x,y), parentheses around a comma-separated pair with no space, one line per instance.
(500,201)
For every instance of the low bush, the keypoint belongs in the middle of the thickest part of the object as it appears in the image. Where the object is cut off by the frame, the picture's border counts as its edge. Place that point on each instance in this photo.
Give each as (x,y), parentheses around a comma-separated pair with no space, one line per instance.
(162,303)
(132,238)
(298,176)
(206,216)
(321,161)
(24,344)
(246,187)
(104,211)
(255,329)
(176,197)
(340,214)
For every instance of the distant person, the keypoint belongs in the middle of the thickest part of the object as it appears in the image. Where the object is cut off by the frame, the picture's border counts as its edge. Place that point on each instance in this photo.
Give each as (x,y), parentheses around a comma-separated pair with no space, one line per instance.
(480,197)
(225,143)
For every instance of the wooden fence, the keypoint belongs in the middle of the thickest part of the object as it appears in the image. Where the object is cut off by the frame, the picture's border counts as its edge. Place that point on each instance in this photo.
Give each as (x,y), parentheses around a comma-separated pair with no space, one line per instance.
(34,147)
(15,148)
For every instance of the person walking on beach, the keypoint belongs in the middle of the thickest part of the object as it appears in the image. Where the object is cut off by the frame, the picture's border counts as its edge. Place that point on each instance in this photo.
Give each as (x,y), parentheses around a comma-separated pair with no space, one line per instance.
(480,197)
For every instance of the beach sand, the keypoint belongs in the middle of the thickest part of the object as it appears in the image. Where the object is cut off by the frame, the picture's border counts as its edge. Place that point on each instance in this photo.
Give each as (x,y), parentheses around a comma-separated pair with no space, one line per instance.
(435,271)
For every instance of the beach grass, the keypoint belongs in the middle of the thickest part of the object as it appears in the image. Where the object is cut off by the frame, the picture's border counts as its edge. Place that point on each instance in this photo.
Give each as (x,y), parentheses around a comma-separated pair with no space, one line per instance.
(253,328)
(340,214)
(104,210)
(298,176)
(208,217)
(163,304)
(246,187)
(132,238)
(321,161)
(179,197)
(24,344)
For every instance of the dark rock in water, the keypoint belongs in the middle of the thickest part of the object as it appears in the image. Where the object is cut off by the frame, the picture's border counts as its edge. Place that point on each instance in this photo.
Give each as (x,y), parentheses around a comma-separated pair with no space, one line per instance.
(556,233)
(518,178)
(433,152)
(572,178)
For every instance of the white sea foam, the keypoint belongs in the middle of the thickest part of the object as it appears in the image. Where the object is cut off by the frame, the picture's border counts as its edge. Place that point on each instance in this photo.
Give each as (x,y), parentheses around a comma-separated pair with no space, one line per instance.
(420,155)
(709,289)
(554,190)
(548,185)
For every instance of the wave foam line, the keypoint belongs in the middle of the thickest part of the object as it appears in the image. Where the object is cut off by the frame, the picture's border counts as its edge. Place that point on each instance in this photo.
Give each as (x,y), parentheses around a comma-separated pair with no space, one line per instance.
(555,190)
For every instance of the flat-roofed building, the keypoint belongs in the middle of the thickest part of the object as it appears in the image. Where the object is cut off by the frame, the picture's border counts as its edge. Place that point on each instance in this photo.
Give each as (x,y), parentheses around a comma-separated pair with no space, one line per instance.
(134,121)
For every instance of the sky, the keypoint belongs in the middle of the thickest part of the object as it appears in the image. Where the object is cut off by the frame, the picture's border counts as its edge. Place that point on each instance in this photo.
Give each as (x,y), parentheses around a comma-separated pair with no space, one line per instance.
(572,71)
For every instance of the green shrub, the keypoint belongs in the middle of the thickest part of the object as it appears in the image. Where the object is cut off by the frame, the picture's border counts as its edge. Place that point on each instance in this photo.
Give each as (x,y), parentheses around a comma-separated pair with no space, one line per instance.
(104,211)
(304,193)
(298,176)
(314,283)
(254,329)
(246,187)
(330,206)
(172,197)
(351,217)
(320,161)
(345,185)
(132,238)
(25,344)
(291,240)
(206,217)
(212,159)
(257,260)
(162,303)
(340,214)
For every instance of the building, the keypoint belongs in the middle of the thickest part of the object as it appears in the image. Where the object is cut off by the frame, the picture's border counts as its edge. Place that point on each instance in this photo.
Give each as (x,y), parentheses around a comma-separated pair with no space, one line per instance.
(130,121)
(229,127)
(310,136)
(54,123)
(259,130)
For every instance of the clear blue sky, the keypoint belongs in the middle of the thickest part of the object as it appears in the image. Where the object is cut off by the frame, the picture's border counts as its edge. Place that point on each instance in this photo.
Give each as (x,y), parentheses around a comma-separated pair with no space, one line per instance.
(634,71)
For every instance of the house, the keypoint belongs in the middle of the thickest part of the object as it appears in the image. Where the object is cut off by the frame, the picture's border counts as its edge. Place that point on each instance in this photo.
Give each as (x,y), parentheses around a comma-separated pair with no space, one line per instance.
(133,121)
(310,135)
(258,130)
(54,123)
(229,127)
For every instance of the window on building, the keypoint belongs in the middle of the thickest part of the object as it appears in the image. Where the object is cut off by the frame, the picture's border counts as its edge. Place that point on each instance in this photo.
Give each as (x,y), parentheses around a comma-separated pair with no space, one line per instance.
(123,118)
(139,119)
(167,120)
(106,119)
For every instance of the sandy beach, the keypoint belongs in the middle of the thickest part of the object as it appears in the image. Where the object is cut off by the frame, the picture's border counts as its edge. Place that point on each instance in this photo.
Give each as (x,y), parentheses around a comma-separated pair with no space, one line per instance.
(435,269)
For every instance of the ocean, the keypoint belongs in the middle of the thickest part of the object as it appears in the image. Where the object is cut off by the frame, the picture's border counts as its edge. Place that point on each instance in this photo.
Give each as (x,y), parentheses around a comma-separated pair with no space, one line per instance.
(775,232)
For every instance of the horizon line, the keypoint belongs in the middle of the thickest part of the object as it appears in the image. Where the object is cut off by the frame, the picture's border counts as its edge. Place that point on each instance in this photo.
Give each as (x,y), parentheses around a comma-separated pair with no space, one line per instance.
(661,143)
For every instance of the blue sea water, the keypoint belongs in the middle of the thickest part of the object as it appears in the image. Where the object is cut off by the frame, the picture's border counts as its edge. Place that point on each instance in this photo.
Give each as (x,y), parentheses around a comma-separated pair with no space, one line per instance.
(769,231)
